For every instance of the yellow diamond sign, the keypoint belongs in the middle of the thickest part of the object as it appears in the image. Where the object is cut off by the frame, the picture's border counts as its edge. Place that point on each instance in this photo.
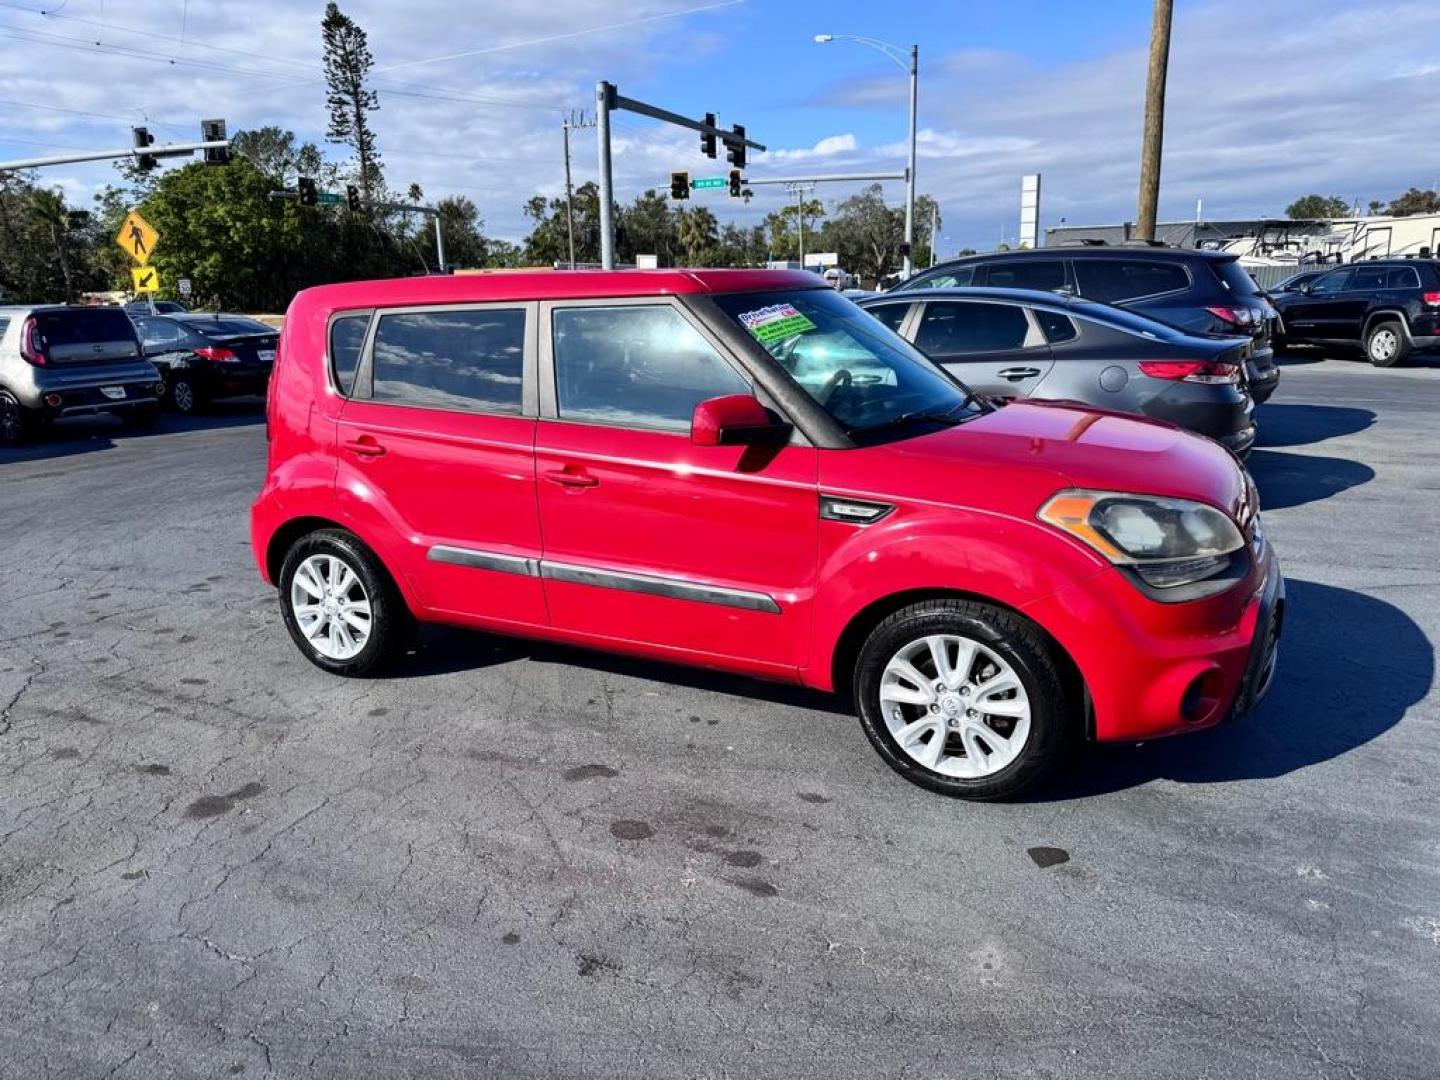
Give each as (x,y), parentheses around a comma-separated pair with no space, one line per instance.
(137,238)
(146,278)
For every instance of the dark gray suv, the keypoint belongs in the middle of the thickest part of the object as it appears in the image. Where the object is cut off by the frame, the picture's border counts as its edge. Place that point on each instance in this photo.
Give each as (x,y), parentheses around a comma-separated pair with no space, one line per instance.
(1200,292)
(72,361)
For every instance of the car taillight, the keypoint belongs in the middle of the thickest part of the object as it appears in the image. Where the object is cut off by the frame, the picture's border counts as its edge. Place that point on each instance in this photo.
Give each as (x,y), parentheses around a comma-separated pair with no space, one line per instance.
(215,352)
(1433,299)
(1237,316)
(32,344)
(1193,371)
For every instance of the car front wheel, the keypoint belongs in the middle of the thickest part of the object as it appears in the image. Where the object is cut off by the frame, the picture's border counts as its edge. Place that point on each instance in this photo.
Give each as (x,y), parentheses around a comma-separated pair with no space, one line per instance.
(340,606)
(963,698)
(1386,344)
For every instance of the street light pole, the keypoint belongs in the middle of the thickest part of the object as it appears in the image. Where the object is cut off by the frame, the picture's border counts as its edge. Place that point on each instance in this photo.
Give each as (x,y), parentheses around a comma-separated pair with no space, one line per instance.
(898,55)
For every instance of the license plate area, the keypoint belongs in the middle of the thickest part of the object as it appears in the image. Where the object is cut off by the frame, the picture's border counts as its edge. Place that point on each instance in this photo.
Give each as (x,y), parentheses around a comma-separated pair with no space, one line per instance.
(267,356)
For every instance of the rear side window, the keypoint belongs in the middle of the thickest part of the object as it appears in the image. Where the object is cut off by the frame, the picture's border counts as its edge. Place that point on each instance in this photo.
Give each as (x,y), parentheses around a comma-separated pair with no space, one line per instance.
(1057,327)
(84,326)
(1111,280)
(1042,274)
(948,328)
(638,366)
(347,338)
(158,334)
(451,359)
(220,328)
(1235,278)
(1403,277)
(892,315)
(4,324)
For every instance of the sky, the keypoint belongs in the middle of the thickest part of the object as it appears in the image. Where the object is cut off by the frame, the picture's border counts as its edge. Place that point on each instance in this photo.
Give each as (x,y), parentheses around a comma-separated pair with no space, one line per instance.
(1267,99)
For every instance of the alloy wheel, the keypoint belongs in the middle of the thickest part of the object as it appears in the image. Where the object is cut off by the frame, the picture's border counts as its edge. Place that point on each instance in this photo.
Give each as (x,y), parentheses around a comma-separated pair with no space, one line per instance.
(184,396)
(11,424)
(331,606)
(1383,344)
(955,706)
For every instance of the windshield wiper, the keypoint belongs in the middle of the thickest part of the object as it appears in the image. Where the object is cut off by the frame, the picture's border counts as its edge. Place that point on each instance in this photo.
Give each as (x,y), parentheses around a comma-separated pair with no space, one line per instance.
(944,416)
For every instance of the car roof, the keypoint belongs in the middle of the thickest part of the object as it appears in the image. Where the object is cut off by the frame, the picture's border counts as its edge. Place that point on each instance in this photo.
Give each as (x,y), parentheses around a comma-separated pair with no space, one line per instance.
(551,285)
(1091,251)
(17,309)
(977,292)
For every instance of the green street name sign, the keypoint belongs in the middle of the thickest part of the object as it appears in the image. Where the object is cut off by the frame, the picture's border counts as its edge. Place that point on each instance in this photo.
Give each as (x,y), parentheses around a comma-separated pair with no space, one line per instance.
(328,198)
(709,182)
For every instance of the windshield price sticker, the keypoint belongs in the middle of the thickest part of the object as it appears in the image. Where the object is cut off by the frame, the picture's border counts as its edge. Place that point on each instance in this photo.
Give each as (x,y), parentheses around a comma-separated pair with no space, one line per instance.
(775,322)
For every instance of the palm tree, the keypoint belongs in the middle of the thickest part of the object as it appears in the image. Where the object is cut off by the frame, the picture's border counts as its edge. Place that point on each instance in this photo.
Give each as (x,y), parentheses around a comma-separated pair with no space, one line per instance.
(698,232)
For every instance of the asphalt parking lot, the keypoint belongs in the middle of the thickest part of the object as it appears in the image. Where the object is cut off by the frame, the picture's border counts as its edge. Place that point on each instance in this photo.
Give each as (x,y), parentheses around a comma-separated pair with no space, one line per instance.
(513,860)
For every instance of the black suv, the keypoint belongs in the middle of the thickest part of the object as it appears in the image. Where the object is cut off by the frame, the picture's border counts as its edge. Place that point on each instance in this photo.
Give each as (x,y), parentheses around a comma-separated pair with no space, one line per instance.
(1387,307)
(1200,292)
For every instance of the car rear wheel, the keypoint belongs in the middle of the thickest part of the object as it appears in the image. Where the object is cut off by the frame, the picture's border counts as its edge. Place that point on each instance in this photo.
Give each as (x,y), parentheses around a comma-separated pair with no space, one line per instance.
(186,397)
(963,698)
(340,605)
(1386,344)
(17,423)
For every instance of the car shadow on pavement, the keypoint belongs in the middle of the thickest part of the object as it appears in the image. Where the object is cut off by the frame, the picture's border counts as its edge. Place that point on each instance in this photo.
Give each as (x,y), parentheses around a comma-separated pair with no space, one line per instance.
(85,435)
(1350,667)
(1287,480)
(440,650)
(1301,425)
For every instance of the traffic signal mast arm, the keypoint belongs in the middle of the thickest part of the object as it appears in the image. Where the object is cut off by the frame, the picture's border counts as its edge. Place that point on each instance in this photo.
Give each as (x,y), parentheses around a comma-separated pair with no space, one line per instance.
(166,150)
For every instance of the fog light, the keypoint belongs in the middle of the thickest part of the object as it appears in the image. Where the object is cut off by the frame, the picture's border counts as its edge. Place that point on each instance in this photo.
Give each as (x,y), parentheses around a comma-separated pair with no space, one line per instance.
(53,400)
(160,389)
(1201,698)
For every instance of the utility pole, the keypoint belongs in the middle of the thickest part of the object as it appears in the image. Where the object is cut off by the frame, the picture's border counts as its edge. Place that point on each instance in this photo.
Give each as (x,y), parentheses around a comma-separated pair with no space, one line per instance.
(800,188)
(1154,120)
(934,228)
(576,119)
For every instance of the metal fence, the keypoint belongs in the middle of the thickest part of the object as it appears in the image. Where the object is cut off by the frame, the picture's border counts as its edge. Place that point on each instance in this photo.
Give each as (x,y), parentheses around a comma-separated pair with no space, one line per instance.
(1267,277)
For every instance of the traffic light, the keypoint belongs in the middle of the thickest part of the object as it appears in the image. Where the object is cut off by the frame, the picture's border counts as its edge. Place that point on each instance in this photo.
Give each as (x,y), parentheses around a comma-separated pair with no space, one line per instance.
(679,185)
(736,153)
(734,183)
(352,197)
(707,138)
(214,131)
(307,191)
(143,138)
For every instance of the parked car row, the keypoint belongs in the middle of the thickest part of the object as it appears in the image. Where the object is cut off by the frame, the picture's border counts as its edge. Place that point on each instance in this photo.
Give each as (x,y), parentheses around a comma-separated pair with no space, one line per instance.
(58,361)
(1388,308)
(1018,343)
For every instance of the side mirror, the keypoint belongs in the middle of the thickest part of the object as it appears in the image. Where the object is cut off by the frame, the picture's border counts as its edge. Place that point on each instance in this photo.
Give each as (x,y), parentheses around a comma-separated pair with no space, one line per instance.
(736,420)
(1306,289)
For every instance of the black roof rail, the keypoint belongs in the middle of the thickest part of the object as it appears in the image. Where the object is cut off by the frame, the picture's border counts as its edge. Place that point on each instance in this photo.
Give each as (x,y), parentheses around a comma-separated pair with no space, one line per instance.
(1084,241)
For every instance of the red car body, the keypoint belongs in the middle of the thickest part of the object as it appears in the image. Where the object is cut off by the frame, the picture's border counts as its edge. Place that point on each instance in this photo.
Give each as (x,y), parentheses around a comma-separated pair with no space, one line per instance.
(552,503)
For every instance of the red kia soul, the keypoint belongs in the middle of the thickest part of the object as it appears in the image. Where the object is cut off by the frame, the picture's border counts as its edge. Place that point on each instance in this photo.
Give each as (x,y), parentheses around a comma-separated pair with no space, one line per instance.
(742,470)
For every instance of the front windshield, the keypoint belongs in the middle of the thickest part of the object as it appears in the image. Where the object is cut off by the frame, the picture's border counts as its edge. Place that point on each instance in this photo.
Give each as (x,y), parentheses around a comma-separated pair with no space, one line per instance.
(859,371)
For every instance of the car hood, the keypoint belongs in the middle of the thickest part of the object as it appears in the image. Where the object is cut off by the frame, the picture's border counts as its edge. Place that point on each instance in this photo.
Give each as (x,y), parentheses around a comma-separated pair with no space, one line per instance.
(1025,452)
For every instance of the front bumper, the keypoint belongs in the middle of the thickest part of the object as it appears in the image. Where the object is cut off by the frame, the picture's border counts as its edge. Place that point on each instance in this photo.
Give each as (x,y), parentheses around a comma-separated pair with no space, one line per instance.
(1154,669)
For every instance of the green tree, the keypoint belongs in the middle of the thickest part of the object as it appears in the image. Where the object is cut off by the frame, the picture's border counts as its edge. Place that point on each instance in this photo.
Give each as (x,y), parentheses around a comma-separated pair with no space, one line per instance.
(461,227)
(1414,201)
(276,153)
(350,101)
(1317,206)
(782,229)
(698,234)
(867,234)
(649,226)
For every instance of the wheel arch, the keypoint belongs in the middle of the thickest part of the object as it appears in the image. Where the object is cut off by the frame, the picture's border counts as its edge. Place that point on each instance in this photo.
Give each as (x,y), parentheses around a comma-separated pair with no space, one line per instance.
(1387,315)
(858,629)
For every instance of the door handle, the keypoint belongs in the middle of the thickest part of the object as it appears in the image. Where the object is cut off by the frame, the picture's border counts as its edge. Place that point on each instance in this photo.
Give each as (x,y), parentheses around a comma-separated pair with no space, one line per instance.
(573,478)
(365,446)
(1015,374)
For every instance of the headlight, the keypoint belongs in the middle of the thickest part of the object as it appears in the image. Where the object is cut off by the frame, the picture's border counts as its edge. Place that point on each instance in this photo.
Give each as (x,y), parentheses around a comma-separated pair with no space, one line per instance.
(1166,542)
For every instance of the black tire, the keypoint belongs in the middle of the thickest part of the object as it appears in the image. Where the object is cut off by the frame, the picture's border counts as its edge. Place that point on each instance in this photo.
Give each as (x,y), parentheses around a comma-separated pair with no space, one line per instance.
(17,423)
(186,398)
(1386,332)
(140,417)
(1054,717)
(392,625)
